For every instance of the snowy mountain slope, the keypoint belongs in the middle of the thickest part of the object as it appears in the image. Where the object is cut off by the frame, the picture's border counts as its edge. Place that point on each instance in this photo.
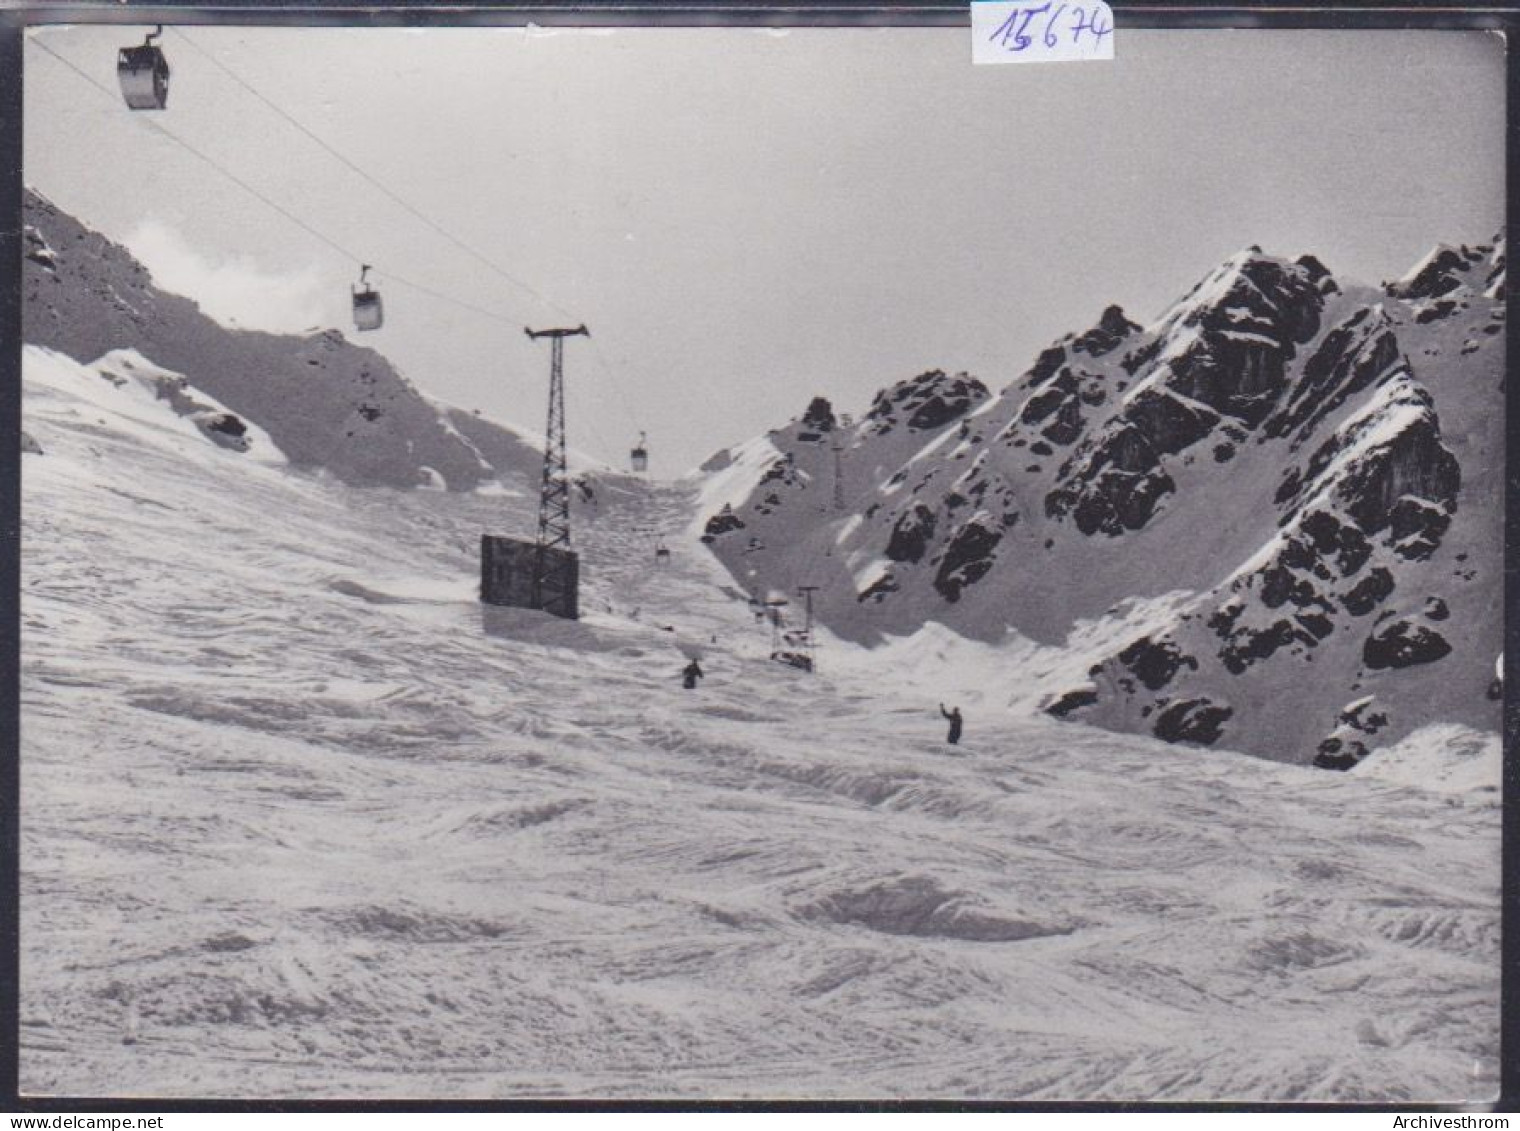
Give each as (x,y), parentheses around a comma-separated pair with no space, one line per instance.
(300,817)
(134,393)
(328,403)
(1319,463)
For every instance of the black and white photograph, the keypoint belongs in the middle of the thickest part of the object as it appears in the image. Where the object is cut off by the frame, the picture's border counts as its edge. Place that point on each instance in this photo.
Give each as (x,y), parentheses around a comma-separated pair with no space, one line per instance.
(761,563)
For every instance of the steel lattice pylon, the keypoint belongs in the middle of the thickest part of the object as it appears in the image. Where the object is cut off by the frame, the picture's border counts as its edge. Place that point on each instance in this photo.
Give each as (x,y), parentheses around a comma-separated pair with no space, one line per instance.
(838,476)
(550,591)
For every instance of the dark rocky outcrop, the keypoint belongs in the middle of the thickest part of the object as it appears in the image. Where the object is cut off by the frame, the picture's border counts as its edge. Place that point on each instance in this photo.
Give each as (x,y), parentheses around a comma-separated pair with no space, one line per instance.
(1154,663)
(967,559)
(911,534)
(1380,457)
(1198,721)
(1070,702)
(1418,525)
(1117,487)
(878,590)
(1257,311)
(718,461)
(1235,376)
(1359,353)
(1345,746)
(1168,423)
(225,429)
(1403,643)
(1335,541)
(1339,752)
(817,421)
(1245,324)
(1318,274)
(1369,592)
(930,400)
(724,522)
(1110,332)
(1247,644)
(1443,271)
(1410,484)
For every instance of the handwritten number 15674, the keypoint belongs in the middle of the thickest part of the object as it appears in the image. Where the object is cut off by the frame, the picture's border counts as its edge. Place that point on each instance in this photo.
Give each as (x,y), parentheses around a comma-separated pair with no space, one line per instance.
(1017,26)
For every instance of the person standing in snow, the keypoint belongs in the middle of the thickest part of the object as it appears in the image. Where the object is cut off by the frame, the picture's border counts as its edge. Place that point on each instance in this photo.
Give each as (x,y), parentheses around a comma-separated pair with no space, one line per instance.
(954,715)
(691,674)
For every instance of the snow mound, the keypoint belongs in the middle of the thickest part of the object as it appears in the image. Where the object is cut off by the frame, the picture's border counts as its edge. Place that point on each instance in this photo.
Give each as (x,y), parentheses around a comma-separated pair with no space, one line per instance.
(1445,757)
(919,906)
(414,924)
(142,401)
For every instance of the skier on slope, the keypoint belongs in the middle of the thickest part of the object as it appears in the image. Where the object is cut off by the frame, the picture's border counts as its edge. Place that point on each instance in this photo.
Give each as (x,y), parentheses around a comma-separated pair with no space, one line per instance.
(954,715)
(690,675)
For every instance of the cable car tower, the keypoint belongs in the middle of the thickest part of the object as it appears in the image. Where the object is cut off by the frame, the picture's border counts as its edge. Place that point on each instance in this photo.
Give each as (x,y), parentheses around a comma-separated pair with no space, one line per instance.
(838,475)
(808,643)
(789,645)
(554,588)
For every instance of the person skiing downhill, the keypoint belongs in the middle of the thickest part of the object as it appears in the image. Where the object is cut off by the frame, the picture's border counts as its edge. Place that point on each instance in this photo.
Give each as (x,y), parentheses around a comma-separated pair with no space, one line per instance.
(954,715)
(690,675)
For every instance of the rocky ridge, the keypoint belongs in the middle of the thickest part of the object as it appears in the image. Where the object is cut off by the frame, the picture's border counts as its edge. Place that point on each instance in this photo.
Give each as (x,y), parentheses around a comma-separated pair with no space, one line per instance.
(1312,468)
(327,403)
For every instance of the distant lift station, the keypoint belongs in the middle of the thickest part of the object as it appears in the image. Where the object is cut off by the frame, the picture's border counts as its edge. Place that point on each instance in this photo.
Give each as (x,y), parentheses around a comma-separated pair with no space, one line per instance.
(544,574)
(793,646)
(144,74)
(369,312)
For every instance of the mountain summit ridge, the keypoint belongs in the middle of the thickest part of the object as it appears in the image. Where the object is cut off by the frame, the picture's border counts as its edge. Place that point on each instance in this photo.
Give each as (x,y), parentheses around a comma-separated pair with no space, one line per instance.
(1315,461)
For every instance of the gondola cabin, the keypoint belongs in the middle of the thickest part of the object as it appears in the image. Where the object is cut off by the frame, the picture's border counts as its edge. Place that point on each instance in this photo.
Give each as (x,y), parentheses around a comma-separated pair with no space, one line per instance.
(638,459)
(144,75)
(369,312)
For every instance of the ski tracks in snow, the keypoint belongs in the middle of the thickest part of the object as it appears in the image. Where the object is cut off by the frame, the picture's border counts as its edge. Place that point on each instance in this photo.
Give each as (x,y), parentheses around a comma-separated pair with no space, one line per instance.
(301,818)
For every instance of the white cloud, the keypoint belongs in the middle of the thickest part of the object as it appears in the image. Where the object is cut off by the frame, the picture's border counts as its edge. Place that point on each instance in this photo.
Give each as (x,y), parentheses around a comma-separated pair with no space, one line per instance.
(235,291)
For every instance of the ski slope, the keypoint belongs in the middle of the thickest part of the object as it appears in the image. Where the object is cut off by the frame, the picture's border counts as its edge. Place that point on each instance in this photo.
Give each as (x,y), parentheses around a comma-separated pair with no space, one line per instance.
(301,818)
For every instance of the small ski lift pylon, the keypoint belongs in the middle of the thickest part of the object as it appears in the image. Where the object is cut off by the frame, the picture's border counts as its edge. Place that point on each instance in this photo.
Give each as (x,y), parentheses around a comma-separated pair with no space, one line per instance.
(639,457)
(144,74)
(369,314)
(800,660)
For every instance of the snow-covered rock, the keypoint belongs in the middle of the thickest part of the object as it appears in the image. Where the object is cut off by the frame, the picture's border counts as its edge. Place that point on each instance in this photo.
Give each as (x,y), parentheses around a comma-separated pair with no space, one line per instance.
(326,402)
(1314,460)
(1443,757)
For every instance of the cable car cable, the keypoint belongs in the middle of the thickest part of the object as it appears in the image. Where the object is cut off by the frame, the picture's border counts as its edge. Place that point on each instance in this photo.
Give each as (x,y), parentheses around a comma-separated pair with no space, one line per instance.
(599,359)
(277,207)
(355,169)
(153,125)
(347,253)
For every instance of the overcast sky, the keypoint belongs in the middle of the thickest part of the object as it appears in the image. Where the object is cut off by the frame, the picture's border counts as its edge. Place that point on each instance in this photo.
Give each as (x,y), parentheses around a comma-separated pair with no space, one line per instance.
(747,218)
